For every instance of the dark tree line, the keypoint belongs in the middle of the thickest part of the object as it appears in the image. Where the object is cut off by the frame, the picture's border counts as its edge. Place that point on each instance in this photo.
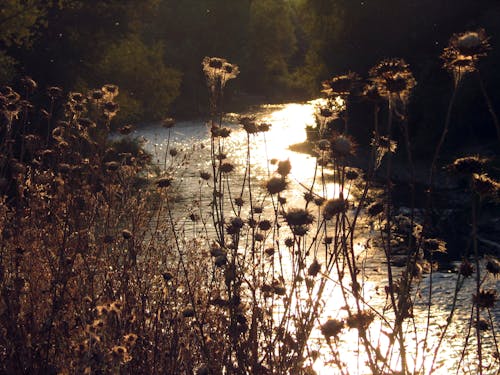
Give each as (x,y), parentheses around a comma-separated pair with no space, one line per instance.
(153,49)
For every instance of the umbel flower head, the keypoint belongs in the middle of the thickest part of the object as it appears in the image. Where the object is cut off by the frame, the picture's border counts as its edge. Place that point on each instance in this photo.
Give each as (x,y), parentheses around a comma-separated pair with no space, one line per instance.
(218,71)
(463,52)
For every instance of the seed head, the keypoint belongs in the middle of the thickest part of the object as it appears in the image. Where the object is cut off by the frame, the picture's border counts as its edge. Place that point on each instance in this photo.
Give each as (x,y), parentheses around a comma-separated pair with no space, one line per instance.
(276,185)
(332,327)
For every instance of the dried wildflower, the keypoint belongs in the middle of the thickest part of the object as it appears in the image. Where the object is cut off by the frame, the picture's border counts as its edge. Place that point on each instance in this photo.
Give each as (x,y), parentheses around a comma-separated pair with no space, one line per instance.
(258,237)
(249,125)
(308,196)
(434,245)
(284,167)
(468,165)
(217,131)
(221,156)
(111,109)
(110,91)
(342,145)
(333,207)
(493,266)
(96,95)
(126,234)
(239,202)
(289,242)
(205,175)
(270,251)
(257,210)
(383,145)
(389,66)
(463,51)
(276,185)
(54,92)
(265,225)
(314,268)
(120,353)
(130,339)
(168,122)
(485,299)
(167,276)
(77,97)
(218,71)
(226,167)
(360,320)
(485,186)
(298,217)
(457,64)
(264,127)
(235,225)
(29,84)
(393,79)
(332,327)
(466,269)
(471,43)
(342,85)
(164,182)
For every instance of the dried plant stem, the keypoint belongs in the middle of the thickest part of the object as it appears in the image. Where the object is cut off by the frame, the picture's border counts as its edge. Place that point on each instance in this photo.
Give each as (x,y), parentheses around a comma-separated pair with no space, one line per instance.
(478,282)
(487,99)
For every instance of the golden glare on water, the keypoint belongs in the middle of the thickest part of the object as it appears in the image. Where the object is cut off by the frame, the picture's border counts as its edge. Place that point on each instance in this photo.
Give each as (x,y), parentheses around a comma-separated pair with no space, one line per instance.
(421,338)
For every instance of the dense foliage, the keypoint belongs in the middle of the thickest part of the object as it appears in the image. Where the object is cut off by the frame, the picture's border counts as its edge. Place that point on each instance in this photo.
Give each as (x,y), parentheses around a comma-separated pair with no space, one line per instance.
(151,48)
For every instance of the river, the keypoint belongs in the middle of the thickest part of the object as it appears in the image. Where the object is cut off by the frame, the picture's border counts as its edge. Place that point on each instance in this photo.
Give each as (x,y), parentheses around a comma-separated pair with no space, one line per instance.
(192,142)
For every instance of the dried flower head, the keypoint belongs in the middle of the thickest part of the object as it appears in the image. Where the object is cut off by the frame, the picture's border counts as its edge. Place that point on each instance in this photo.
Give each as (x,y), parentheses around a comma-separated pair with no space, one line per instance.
(168,122)
(54,92)
(218,71)
(360,320)
(284,167)
(466,269)
(493,266)
(468,165)
(343,85)
(332,327)
(485,299)
(249,125)
(314,268)
(342,146)
(298,217)
(109,91)
(226,167)
(463,52)
(334,207)
(276,185)
(393,79)
(265,225)
(471,43)
(485,186)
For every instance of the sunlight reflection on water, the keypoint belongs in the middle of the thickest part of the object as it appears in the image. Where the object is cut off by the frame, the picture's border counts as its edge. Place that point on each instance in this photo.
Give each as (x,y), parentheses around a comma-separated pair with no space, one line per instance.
(288,127)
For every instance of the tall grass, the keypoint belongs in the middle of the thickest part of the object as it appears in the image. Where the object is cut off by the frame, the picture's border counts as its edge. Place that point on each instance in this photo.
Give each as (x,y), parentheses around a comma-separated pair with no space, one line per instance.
(97,274)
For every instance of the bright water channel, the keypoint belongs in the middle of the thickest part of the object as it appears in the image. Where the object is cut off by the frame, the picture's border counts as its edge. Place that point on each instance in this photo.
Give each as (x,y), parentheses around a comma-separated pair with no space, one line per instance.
(288,123)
